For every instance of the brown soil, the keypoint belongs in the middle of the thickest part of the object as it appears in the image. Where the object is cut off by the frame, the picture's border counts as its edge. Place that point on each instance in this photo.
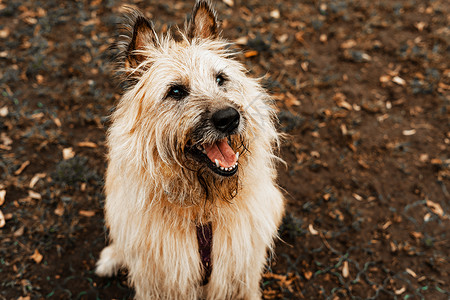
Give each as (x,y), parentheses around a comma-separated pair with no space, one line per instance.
(362,89)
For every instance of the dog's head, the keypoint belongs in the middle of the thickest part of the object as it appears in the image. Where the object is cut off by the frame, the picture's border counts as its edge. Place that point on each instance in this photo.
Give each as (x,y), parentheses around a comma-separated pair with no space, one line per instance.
(190,106)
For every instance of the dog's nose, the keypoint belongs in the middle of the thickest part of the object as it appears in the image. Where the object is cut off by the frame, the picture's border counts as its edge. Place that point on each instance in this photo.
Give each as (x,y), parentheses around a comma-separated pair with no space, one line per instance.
(226,120)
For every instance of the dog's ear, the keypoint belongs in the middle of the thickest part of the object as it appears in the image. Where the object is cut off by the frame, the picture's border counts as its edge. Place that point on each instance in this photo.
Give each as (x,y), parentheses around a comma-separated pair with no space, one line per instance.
(143,36)
(203,23)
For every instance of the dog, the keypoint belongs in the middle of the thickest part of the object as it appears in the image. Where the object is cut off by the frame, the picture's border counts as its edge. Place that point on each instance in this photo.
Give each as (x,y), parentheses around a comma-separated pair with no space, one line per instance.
(192,206)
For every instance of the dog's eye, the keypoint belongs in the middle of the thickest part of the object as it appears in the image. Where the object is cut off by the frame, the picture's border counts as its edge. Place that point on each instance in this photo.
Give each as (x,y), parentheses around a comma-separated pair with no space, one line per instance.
(177,92)
(220,79)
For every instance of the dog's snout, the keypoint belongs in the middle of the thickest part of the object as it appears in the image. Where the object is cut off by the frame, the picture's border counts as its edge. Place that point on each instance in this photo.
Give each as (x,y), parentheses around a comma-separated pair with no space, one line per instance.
(226,120)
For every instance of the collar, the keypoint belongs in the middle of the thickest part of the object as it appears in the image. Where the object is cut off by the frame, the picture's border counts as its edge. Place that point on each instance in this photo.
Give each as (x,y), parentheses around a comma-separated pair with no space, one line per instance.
(204,239)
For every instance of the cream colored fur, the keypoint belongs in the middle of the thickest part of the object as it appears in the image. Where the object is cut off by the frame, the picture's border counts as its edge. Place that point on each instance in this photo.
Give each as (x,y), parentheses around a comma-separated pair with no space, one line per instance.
(154,202)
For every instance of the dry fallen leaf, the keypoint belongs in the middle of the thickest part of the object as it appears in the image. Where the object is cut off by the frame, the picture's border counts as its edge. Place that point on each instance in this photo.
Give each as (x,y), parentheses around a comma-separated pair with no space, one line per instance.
(57,122)
(19,232)
(87,213)
(291,100)
(436,161)
(393,247)
(345,271)
(385,78)
(308,275)
(420,25)
(37,257)
(276,276)
(68,153)
(411,272)
(4,33)
(299,36)
(251,53)
(87,144)
(275,14)
(31,20)
(22,167)
(34,195)
(5,141)
(386,225)
(409,132)
(364,165)
(357,197)
(340,100)
(290,62)
(243,40)
(344,129)
(399,80)
(348,44)
(2,197)
(345,104)
(416,235)
(229,2)
(400,291)
(37,116)
(424,157)
(337,214)
(283,38)
(2,219)
(304,65)
(35,179)
(436,208)
(4,111)
(315,154)
(312,230)
(39,79)
(59,210)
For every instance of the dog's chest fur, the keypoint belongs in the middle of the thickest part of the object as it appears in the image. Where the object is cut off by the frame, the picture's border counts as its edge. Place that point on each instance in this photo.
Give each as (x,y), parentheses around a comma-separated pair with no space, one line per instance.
(164,243)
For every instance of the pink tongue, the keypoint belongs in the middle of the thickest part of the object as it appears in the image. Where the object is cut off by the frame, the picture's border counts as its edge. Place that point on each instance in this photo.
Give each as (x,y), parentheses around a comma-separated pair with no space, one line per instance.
(221,151)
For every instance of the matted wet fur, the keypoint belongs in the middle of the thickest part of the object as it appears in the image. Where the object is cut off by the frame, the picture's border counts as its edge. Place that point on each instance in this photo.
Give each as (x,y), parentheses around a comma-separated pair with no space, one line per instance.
(174,165)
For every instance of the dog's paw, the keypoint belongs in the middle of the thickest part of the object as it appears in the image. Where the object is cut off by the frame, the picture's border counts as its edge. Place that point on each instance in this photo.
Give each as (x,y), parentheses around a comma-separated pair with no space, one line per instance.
(109,263)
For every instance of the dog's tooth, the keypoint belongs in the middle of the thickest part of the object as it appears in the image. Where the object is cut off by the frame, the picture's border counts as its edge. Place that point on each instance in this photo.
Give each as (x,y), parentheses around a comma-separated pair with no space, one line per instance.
(237,155)
(217,163)
(222,168)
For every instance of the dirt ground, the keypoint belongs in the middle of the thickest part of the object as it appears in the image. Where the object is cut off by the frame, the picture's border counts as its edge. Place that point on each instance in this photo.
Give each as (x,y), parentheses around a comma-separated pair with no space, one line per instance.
(363,92)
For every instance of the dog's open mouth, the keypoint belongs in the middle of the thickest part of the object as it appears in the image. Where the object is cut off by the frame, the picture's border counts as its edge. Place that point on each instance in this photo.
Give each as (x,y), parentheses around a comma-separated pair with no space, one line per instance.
(218,156)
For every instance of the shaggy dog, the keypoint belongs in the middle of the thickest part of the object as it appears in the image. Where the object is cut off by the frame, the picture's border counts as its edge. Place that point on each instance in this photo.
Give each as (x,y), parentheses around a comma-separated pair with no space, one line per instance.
(192,206)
